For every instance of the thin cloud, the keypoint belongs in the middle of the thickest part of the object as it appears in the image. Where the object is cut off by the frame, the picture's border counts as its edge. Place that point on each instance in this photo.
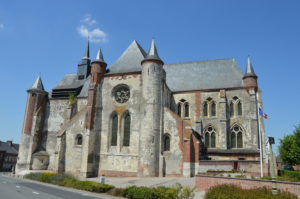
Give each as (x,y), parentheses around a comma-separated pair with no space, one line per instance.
(1,26)
(86,30)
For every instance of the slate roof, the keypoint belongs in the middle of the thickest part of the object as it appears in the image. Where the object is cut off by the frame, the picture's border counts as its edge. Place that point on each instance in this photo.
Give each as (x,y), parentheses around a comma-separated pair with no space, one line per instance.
(85,88)
(4,146)
(38,84)
(202,75)
(187,76)
(69,81)
(130,60)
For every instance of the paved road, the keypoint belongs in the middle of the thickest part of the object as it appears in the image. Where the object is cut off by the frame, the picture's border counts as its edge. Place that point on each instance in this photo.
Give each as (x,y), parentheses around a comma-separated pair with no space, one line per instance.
(13,188)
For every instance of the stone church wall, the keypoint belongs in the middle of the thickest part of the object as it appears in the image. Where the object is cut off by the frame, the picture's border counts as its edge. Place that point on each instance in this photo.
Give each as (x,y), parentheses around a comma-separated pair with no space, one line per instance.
(172,160)
(120,160)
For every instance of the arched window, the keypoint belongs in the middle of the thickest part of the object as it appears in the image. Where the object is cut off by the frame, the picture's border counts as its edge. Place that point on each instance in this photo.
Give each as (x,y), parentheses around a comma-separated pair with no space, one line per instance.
(213,109)
(236,137)
(235,107)
(126,134)
(210,137)
(179,109)
(166,142)
(114,129)
(233,140)
(207,140)
(239,107)
(78,139)
(239,140)
(231,111)
(186,110)
(205,109)
(213,140)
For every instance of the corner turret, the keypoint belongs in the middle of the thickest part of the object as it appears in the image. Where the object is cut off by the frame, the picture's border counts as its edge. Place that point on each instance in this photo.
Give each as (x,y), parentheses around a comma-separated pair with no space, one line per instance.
(152,84)
(250,78)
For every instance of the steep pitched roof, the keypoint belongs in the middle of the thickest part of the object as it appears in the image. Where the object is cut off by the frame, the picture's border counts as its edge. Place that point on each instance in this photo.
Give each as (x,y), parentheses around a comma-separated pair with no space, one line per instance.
(38,84)
(130,60)
(69,81)
(201,75)
(153,54)
(4,146)
(249,70)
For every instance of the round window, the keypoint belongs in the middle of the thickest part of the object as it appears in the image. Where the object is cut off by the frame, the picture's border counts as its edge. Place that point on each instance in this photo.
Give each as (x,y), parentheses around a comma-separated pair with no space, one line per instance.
(122,94)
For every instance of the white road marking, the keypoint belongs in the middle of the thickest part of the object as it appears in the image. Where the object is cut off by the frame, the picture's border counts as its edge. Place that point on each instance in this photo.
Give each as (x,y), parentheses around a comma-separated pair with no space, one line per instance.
(17,186)
(35,193)
(4,182)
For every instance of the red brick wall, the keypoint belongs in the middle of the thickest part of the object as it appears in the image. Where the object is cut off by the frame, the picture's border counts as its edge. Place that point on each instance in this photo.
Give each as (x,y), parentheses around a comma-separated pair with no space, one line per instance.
(203,183)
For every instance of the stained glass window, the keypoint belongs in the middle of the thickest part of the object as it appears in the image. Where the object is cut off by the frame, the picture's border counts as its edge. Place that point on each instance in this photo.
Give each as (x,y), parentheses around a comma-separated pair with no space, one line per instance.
(126,138)
(114,130)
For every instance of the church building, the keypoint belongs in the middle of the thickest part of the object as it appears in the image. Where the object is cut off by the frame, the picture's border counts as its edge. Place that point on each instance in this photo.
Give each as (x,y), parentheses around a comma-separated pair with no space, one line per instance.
(143,117)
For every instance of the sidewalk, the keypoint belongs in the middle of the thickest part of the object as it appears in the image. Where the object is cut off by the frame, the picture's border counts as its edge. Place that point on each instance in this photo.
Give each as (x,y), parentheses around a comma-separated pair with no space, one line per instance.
(150,182)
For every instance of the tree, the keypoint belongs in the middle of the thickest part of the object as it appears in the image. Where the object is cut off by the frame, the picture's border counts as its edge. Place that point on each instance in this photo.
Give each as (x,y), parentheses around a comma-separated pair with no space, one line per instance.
(289,148)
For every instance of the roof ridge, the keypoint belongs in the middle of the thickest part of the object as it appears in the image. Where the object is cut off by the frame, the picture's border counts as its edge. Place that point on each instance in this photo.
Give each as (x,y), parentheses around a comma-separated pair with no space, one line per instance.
(208,60)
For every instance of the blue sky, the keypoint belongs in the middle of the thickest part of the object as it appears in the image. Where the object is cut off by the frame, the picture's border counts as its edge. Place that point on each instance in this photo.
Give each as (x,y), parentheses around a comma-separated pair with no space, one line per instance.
(49,37)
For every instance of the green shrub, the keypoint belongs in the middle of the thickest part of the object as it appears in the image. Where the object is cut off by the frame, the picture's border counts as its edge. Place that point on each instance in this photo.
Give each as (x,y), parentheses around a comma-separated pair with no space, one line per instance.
(292,174)
(235,192)
(43,177)
(177,192)
(69,181)
(135,192)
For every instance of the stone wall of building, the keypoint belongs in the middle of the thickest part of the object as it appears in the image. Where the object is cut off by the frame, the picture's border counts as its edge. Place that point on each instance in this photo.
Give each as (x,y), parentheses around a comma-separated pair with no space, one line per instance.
(121,160)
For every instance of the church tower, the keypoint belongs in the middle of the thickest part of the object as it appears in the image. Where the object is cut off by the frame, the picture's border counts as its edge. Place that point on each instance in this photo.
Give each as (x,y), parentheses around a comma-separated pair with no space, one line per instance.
(152,82)
(33,124)
(84,68)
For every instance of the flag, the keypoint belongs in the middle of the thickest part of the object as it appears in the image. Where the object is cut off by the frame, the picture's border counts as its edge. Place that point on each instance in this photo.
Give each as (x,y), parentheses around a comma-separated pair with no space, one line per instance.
(261,113)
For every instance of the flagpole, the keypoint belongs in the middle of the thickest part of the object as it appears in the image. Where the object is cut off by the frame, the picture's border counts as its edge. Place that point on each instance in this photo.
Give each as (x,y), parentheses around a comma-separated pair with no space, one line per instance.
(260,144)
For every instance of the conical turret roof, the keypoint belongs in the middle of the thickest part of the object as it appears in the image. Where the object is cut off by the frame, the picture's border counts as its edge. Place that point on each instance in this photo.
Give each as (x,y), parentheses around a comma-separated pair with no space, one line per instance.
(38,84)
(249,70)
(152,54)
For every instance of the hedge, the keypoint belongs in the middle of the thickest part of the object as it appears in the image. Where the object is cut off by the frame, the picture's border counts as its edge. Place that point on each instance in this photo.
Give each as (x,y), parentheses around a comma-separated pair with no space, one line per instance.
(69,181)
(236,192)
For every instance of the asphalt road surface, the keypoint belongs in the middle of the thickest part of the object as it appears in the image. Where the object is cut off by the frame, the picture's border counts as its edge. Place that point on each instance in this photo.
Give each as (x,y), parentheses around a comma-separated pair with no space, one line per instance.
(13,188)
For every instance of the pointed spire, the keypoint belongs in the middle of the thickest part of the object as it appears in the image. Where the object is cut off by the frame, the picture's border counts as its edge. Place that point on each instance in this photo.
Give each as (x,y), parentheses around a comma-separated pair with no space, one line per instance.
(152,54)
(249,70)
(38,84)
(87,50)
(99,56)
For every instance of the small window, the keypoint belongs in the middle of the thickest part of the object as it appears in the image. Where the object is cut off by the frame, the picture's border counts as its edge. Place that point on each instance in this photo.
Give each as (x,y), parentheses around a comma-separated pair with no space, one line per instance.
(210,137)
(78,140)
(186,109)
(114,130)
(179,109)
(239,108)
(205,107)
(166,142)
(213,109)
(231,111)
